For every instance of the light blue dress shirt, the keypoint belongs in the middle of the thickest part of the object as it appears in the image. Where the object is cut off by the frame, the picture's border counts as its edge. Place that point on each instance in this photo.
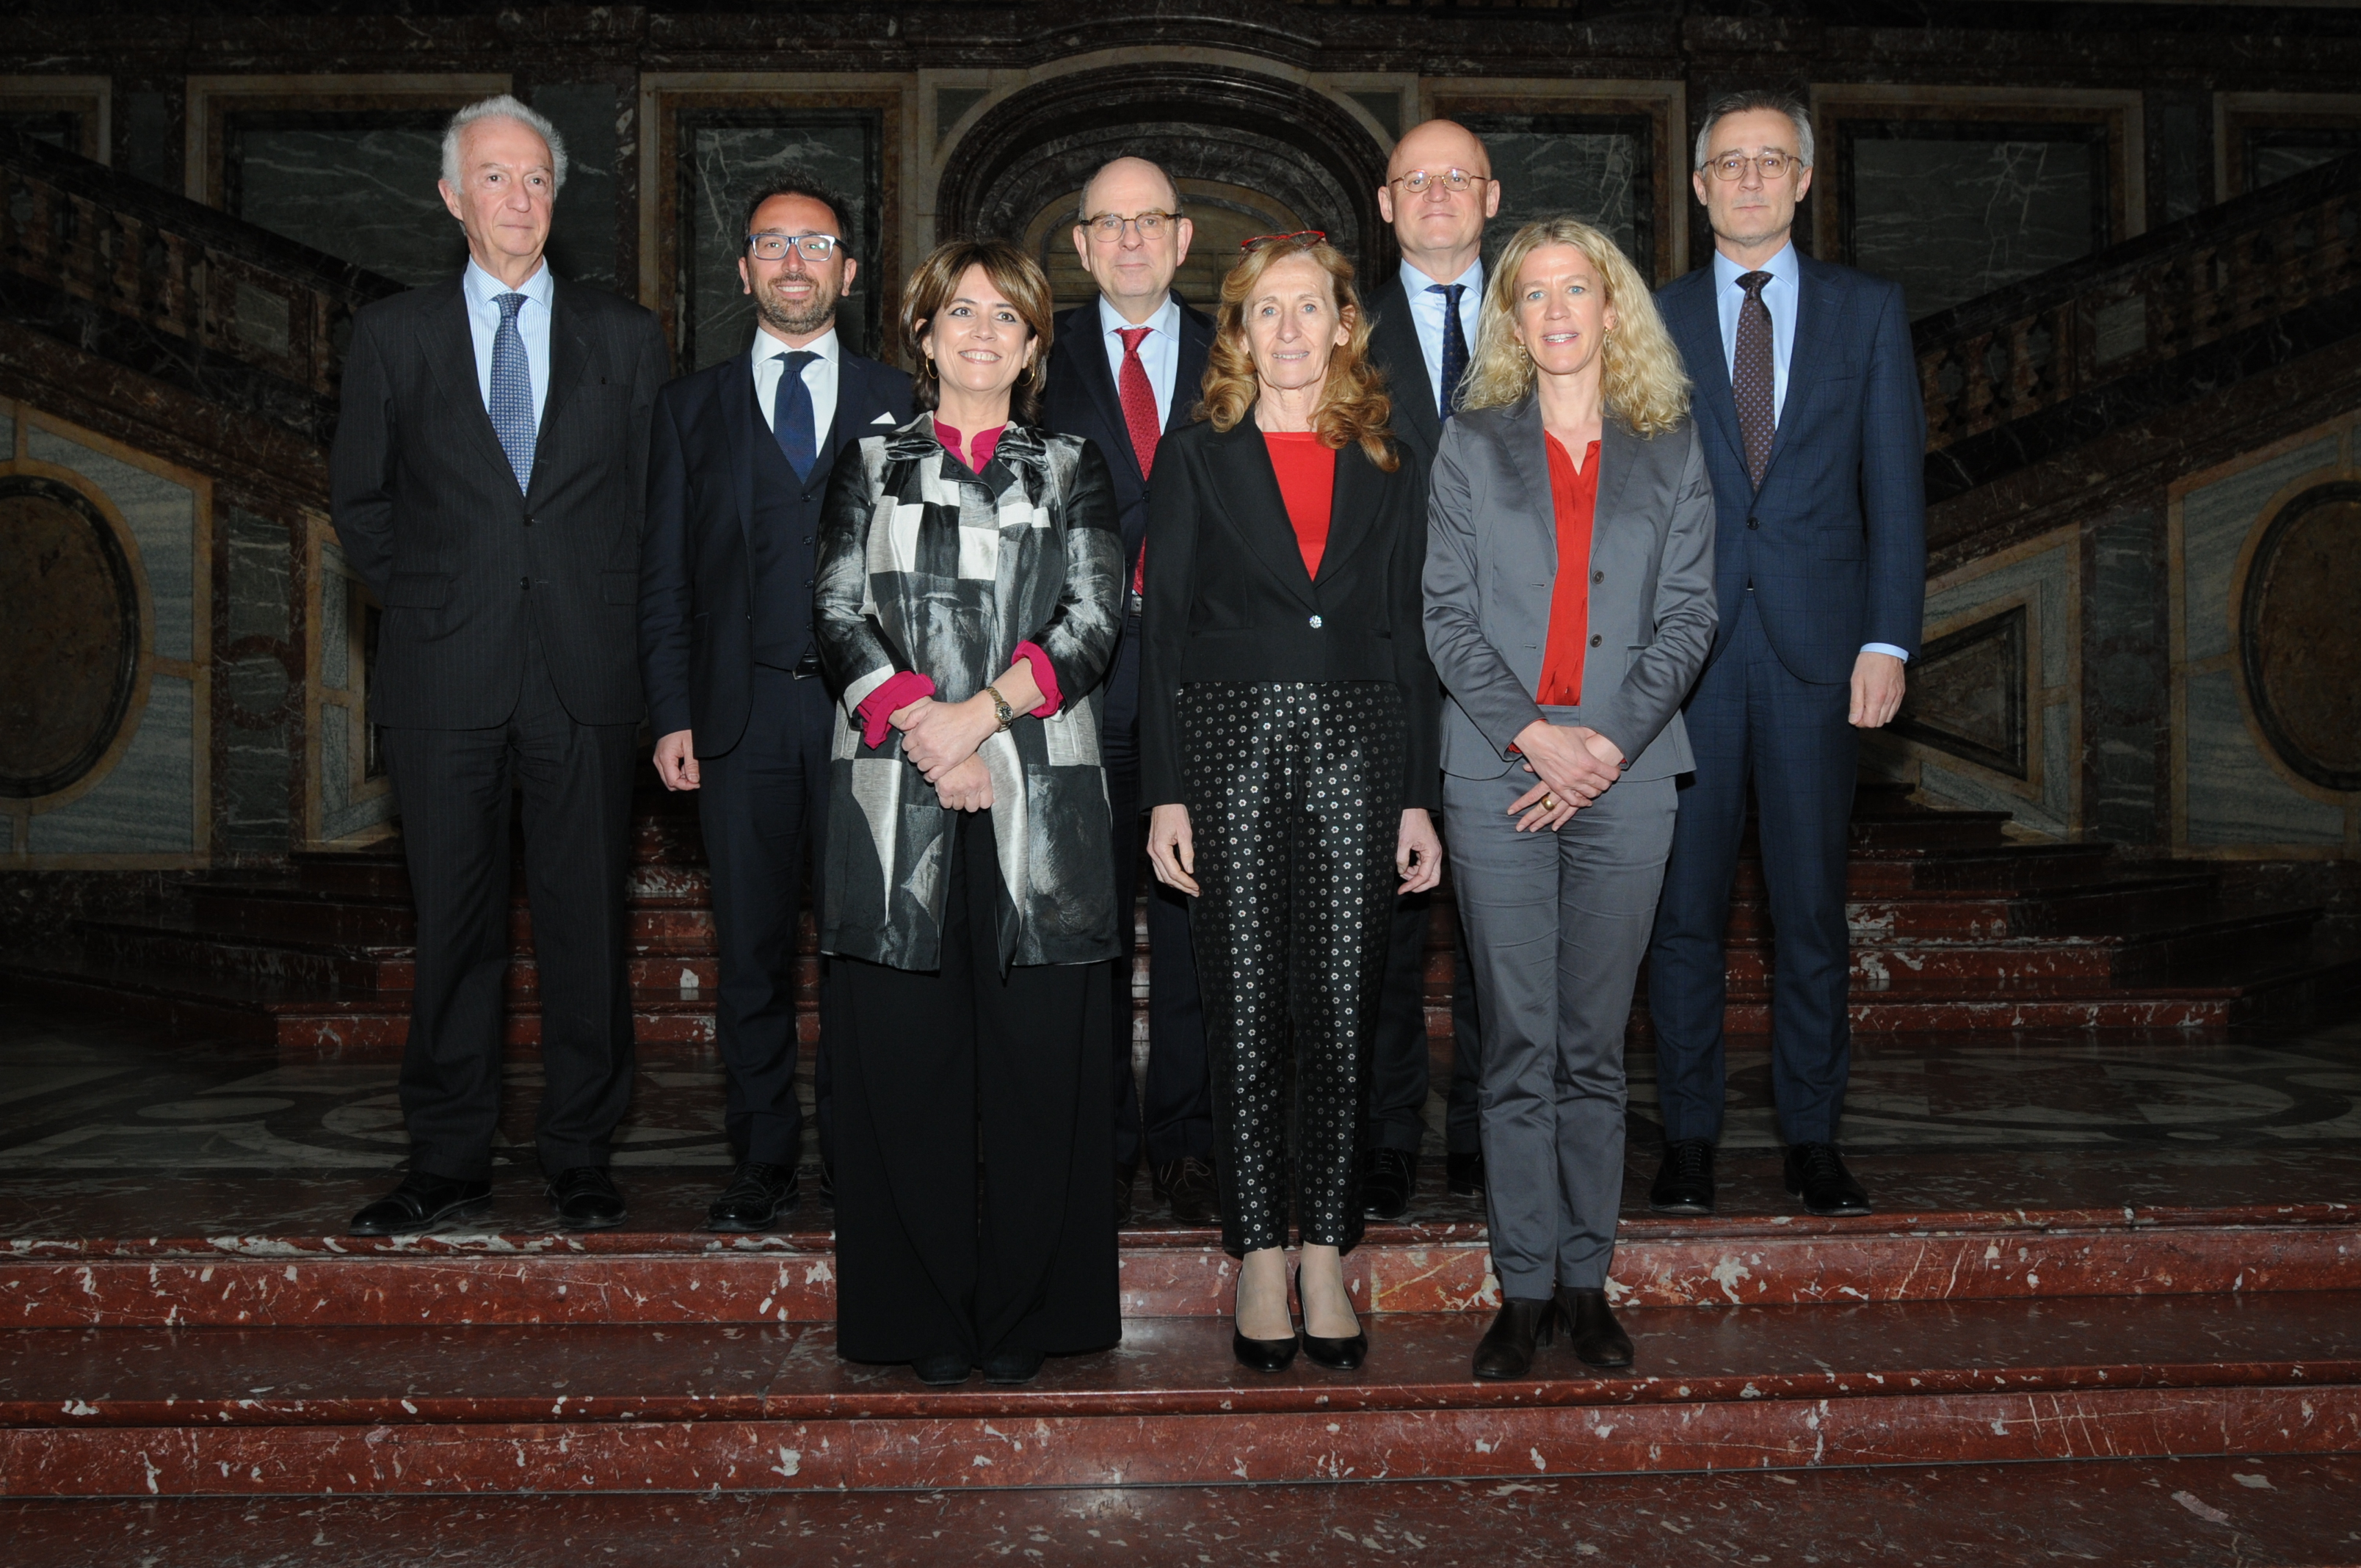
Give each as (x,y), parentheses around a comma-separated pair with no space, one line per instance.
(483,293)
(1778,298)
(1159,351)
(1426,314)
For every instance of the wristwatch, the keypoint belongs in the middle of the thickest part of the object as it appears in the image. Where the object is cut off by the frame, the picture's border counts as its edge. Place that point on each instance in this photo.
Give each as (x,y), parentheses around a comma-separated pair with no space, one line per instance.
(1005,714)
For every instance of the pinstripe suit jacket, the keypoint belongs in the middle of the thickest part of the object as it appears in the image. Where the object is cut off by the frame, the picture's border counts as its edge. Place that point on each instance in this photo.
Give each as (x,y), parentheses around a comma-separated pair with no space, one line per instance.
(428,512)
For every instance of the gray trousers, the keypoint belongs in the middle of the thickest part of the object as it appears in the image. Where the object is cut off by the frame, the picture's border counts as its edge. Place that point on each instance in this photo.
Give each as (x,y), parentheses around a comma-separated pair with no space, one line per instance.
(1556,926)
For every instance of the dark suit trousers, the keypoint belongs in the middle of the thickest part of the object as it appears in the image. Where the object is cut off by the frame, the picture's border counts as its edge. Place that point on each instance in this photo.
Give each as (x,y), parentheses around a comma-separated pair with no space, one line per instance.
(973,1211)
(1399,1068)
(1179,1116)
(764,804)
(1751,719)
(451,788)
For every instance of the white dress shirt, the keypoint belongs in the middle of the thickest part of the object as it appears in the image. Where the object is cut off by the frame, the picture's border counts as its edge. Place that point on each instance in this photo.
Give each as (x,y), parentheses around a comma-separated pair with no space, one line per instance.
(1779,297)
(1159,351)
(483,293)
(1426,314)
(819,378)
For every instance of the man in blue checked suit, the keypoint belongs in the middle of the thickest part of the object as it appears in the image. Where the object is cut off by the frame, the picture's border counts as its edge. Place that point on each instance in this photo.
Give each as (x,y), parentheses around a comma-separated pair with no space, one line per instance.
(1807,398)
(739,463)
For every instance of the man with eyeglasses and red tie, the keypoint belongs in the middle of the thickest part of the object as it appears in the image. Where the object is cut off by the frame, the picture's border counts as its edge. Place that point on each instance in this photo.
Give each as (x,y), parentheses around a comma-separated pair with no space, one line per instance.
(1123,371)
(739,464)
(1439,191)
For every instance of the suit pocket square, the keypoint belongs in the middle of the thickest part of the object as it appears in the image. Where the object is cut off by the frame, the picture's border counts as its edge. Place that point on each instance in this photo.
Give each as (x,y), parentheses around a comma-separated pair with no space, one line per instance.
(883,419)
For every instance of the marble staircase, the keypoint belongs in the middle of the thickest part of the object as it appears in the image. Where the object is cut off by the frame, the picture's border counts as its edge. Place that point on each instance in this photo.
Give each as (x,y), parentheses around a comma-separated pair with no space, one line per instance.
(1956,926)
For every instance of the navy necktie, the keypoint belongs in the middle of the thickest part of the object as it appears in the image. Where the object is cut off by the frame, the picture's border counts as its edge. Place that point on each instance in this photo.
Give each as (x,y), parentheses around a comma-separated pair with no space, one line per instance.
(511,406)
(1454,341)
(791,414)
(1751,381)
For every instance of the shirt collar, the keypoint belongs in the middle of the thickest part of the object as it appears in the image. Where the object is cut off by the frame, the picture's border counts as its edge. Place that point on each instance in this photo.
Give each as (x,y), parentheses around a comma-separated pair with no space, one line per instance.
(769,348)
(1416,283)
(485,289)
(1166,321)
(1783,268)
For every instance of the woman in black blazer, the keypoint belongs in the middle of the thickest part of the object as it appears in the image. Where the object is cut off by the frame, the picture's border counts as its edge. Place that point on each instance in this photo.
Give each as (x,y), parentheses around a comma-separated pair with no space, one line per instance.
(1288,744)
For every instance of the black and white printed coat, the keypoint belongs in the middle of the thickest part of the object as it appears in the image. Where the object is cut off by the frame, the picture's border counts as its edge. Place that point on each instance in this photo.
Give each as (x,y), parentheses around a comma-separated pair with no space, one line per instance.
(925,565)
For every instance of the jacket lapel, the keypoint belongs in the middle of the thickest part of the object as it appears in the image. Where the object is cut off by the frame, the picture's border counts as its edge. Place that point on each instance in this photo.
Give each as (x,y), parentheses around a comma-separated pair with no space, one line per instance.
(569,362)
(1697,329)
(1099,389)
(1619,452)
(1249,490)
(744,425)
(1189,373)
(449,345)
(1527,440)
(1352,511)
(1393,341)
(1813,304)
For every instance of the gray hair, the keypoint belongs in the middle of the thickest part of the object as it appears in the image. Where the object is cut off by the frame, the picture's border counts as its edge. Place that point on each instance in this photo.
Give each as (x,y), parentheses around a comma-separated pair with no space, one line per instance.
(1749,102)
(503,106)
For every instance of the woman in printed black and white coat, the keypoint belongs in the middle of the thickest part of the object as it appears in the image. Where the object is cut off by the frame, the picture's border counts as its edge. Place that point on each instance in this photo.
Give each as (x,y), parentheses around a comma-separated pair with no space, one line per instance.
(966,605)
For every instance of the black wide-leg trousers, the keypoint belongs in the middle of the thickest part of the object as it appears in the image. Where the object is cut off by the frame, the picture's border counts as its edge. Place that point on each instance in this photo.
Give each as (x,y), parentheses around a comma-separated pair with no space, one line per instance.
(972,1210)
(1294,796)
(451,788)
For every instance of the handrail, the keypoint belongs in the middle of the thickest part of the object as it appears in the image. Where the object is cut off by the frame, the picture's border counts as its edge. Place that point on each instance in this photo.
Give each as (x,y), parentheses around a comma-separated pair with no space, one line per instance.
(223,308)
(2126,313)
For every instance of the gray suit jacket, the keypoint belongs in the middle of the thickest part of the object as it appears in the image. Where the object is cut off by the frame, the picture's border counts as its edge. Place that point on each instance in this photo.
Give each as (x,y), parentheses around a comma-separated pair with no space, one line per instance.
(1491,562)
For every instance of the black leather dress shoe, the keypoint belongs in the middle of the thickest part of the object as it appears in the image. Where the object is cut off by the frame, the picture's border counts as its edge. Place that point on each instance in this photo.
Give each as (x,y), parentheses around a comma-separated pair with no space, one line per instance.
(943,1370)
(586,1198)
(1816,1173)
(1463,1174)
(1387,1179)
(1507,1348)
(1012,1363)
(1683,1183)
(1123,1175)
(1591,1326)
(757,1195)
(422,1201)
(1187,1185)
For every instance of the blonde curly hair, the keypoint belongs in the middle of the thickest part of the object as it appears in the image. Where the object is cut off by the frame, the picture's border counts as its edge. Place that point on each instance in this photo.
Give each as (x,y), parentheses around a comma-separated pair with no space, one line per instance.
(1353,407)
(1645,386)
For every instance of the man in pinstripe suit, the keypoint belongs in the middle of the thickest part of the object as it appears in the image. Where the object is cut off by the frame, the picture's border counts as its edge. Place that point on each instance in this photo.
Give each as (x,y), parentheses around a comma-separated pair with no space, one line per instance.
(487,481)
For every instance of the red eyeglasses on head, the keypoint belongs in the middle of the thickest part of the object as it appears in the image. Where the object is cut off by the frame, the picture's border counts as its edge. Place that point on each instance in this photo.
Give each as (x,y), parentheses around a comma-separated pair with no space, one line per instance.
(1258,241)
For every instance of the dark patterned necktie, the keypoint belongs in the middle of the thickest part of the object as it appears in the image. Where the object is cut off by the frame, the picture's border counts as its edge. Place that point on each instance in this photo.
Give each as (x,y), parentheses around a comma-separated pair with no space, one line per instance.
(511,406)
(1750,379)
(1454,341)
(791,414)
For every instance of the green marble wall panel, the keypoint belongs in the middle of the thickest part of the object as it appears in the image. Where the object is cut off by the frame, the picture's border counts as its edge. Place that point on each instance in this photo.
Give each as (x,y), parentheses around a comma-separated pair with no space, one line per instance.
(2215,522)
(146,805)
(582,231)
(163,518)
(2045,583)
(1950,218)
(2234,794)
(360,186)
(1594,167)
(727,156)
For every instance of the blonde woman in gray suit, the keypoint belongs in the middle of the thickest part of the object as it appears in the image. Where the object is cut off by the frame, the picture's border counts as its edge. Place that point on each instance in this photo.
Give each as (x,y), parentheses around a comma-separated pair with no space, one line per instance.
(1569,608)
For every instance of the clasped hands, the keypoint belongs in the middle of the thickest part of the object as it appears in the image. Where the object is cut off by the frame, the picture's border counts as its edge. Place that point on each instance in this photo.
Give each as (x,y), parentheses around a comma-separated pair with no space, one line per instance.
(940,738)
(1576,765)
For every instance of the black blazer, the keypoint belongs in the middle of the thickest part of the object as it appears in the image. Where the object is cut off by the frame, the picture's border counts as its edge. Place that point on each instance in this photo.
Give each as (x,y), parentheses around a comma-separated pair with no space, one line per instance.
(1228,598)
(427,510)
(1081,400)
(1393,348)
(697,620)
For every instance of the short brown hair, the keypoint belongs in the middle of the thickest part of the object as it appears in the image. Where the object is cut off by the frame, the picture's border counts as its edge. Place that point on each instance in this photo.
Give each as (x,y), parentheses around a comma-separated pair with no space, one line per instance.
(935,283)
(1353,402)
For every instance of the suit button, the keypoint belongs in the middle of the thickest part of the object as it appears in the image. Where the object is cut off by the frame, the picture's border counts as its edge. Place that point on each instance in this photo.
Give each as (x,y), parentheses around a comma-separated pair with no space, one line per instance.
(1751,523)
(528,519)
(1597,576)
(808,539)
(524,582)
(1315,623)
(1593,639)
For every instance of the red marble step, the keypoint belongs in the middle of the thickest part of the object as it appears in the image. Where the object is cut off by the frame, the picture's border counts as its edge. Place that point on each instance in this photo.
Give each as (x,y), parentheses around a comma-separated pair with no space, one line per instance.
(2023,967)
(686,1276)
(2258,1510)
(507,1409)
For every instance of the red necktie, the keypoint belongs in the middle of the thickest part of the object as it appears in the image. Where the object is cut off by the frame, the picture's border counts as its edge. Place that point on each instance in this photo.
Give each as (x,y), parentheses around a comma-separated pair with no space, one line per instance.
(1138,414)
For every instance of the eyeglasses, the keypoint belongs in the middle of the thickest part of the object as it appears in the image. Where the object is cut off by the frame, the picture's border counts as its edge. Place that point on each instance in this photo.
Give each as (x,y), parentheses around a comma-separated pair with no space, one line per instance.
(1732,166)
(1310,235)
(771,247)
(1108,227)
(1418,181)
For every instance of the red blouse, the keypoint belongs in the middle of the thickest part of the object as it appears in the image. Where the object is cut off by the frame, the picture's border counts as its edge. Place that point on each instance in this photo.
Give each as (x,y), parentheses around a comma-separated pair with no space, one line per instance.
(1307,483)
(1574,497)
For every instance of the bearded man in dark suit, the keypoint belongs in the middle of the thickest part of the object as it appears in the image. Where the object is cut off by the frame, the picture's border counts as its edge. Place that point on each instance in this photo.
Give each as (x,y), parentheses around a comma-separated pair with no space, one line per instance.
(739,464)
(486,483)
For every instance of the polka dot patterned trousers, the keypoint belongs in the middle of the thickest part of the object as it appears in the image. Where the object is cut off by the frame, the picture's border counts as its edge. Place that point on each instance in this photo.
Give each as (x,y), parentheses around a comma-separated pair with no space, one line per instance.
(1294,797)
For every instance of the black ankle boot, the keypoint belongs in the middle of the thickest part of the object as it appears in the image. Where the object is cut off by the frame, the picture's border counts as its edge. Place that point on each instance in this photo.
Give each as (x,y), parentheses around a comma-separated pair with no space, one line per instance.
(1591,1326)
(1507,1347)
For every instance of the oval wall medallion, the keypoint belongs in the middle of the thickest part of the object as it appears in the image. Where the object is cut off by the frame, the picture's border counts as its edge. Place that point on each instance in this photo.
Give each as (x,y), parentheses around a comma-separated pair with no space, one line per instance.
(68,635)
(2300,635)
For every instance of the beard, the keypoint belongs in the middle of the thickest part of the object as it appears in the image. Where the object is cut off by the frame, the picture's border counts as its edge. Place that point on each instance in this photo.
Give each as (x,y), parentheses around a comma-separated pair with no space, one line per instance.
(781,318)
